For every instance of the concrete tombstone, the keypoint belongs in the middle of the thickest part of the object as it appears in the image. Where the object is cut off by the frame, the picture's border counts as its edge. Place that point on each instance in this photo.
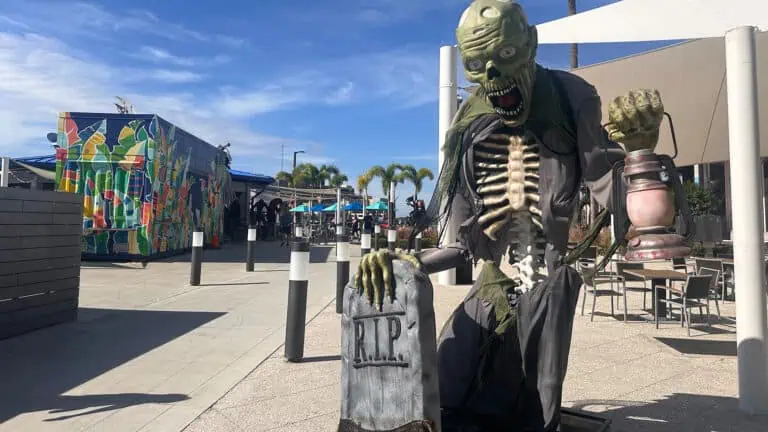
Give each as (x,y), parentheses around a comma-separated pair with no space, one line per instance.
(389,379)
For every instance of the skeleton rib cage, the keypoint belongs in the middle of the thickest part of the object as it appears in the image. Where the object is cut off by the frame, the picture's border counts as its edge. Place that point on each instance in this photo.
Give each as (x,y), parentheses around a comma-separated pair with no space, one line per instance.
(506,172)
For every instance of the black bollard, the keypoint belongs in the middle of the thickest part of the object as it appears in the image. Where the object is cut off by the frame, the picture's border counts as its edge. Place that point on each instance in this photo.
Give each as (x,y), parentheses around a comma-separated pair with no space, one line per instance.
(365,242)
(342,270)
(197,258)
(391,239)
(377,231)
(297,300)
(417,242)
(250,246)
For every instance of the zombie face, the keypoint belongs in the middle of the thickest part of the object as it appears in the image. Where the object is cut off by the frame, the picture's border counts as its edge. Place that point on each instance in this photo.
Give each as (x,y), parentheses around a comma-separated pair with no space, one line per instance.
(498,50)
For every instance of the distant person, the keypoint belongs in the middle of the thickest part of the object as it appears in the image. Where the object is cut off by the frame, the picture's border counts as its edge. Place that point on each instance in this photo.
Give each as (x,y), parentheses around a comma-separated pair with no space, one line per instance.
(285,226)
(234,218)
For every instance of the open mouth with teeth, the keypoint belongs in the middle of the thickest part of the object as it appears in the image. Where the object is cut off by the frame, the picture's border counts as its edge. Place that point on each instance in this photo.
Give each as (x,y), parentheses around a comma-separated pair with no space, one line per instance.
(508,101)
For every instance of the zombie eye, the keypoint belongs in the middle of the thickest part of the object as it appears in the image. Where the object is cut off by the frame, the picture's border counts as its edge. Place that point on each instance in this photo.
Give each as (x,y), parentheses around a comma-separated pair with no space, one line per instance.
(474,65)
(507,52)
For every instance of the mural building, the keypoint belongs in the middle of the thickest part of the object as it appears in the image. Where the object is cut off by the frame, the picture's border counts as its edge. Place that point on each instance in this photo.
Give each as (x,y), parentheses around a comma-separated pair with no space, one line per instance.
(146,183)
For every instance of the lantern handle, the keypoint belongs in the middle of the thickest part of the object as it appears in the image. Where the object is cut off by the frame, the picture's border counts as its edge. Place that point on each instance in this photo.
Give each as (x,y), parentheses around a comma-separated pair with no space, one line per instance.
(671,130)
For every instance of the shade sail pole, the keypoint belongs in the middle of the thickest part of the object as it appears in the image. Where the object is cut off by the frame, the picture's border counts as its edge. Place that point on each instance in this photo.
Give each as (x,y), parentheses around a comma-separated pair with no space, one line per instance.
(447,110)
(747,198)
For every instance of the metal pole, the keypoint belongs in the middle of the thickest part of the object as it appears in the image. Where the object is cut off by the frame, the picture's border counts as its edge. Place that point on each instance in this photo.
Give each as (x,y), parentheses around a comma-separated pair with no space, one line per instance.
(297,300)
(339,222)
(5,172)
(250,246)
(391,232)
(197,257)
(447,110)
(746,187)
(342,270)
(377,232)
(365,242)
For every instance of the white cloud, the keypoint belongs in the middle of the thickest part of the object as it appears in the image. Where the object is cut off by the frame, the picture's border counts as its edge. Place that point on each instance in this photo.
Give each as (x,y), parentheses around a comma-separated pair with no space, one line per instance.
(174,76)
(160,55)
(40,77)
(89,20)
(342,95)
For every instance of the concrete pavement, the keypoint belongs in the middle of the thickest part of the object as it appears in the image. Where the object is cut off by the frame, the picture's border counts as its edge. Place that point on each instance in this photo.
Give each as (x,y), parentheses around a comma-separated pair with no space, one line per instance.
(149,352)
(642,378)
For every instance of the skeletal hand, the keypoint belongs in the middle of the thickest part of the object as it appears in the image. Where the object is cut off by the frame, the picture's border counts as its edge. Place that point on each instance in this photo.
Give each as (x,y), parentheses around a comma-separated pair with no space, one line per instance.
(375,278)
(635,118)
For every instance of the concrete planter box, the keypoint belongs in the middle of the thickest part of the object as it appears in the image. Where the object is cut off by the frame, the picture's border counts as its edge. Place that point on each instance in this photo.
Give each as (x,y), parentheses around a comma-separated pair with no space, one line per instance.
(708,228)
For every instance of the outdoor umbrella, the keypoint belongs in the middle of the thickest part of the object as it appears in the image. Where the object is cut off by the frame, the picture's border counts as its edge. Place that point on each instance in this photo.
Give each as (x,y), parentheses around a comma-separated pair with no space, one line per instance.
(318,207)
(300,209)
(355,206)
(331,208)
(378,206)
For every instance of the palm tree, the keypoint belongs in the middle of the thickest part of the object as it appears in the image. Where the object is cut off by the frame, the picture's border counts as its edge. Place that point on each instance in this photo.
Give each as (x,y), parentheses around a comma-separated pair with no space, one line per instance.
(363,180)
(574,47)
(307,175)
(326,173)
(337,180)
(416,177)
(284,177)
(390,174)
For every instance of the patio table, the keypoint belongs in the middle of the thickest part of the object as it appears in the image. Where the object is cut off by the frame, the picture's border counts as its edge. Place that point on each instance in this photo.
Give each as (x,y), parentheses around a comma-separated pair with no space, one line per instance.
(659,278)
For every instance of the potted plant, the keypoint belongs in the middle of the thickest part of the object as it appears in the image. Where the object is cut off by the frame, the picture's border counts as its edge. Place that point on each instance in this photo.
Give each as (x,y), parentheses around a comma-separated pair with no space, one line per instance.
(705,207)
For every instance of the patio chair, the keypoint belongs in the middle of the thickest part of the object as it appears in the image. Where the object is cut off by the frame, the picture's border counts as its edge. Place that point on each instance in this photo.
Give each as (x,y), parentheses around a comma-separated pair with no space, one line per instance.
(713,285)
(695,295)
(600,277)
(622,279)
(714,265)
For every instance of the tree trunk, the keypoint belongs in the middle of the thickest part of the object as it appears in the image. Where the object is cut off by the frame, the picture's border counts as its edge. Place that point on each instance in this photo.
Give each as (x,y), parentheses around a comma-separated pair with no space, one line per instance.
(574,47)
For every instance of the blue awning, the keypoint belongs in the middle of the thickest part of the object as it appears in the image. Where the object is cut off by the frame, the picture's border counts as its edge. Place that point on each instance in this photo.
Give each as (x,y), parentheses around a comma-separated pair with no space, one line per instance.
(49,162)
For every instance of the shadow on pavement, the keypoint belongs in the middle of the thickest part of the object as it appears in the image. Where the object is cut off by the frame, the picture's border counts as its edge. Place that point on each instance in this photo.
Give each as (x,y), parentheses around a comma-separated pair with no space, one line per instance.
(318,359)
(38,367)
(700,346)
(676,413)
(107,402)
(264,253)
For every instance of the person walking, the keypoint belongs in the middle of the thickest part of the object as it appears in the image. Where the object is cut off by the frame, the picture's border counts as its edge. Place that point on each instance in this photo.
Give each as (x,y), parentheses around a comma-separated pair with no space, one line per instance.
(285,226)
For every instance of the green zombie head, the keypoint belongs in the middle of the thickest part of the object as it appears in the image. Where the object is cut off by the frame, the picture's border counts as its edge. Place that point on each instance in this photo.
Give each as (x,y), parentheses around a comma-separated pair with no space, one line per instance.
(498,50)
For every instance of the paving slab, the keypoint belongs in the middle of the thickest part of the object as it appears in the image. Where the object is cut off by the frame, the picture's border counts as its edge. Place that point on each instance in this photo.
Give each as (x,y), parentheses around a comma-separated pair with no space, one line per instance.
(148,351)
(642,378)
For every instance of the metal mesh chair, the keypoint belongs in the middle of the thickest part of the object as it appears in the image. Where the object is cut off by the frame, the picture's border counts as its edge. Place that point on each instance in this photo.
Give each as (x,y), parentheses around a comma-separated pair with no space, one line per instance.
(695,294)
(622,278)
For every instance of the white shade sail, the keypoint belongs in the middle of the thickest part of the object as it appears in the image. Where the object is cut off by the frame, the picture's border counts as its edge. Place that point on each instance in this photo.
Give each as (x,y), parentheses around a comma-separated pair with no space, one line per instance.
(690,75)
(691,79)
(650,20)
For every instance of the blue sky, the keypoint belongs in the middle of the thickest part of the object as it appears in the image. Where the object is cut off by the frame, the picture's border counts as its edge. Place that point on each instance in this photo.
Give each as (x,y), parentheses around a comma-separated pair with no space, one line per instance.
(352,82)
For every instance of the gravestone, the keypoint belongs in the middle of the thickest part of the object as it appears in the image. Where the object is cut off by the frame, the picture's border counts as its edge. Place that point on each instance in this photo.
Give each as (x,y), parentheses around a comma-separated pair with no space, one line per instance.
(389,358)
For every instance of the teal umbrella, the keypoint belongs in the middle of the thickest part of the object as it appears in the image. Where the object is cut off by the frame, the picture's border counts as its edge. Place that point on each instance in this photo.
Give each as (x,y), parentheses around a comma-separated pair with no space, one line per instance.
(300,209)
(378,206)
(355,206)
(331,208)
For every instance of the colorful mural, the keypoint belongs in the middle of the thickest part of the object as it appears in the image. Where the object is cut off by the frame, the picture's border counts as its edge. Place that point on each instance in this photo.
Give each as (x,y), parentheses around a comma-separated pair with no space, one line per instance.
(146,183)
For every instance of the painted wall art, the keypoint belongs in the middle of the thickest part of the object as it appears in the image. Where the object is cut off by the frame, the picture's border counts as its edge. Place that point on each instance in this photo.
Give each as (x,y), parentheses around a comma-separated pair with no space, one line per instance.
(146,183)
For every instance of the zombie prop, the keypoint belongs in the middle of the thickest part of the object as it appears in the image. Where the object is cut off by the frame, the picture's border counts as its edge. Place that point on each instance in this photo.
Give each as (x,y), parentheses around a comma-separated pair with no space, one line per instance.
(518,152)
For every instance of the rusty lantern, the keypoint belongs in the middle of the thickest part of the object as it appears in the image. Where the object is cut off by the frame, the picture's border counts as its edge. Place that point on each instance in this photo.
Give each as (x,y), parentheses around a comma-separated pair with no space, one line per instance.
(651,208)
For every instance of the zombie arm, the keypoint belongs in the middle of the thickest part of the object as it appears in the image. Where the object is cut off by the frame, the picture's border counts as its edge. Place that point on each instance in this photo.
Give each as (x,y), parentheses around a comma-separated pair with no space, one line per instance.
(597,153)
(633,121)
(454,254)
